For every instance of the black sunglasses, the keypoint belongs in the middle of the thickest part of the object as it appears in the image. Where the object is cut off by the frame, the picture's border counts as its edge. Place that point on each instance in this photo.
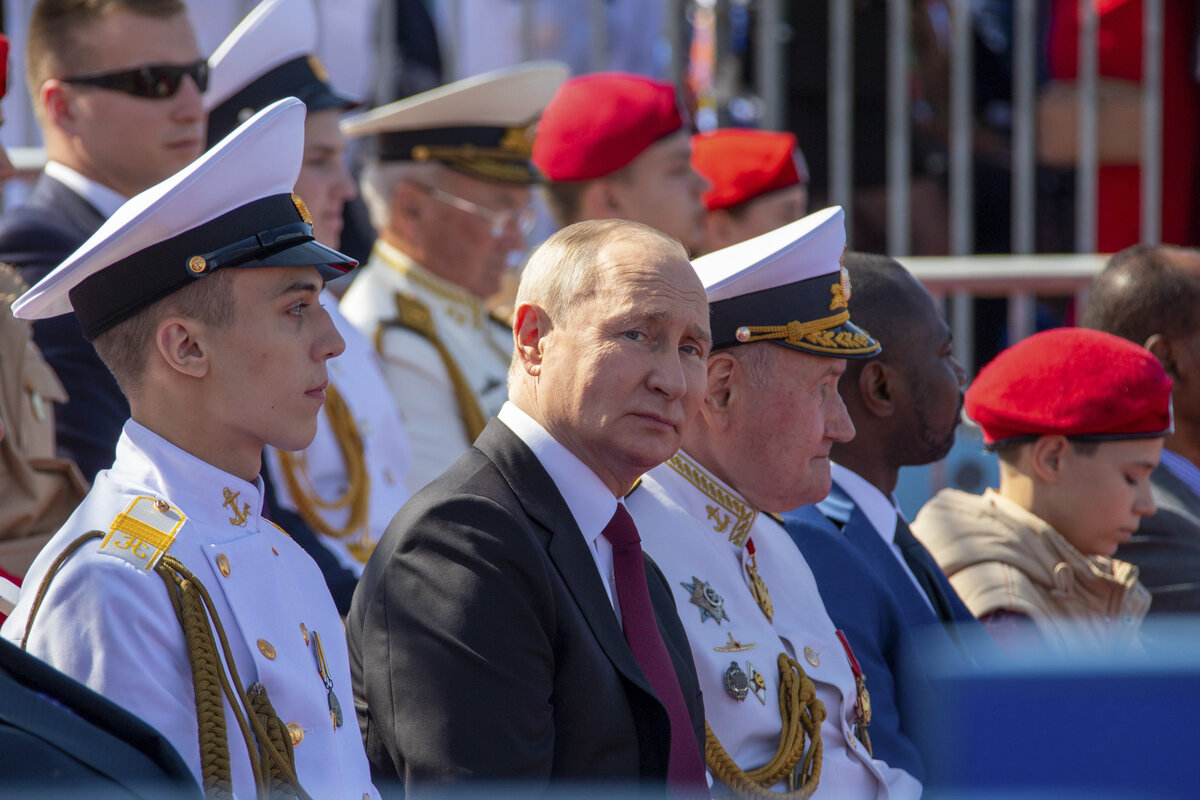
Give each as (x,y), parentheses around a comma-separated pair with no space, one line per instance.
(152,80)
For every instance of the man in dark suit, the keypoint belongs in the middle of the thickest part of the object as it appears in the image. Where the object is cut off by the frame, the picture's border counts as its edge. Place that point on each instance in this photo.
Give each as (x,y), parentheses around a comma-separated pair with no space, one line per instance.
(507,626)
(116,87)
(905,404)
(1150,295)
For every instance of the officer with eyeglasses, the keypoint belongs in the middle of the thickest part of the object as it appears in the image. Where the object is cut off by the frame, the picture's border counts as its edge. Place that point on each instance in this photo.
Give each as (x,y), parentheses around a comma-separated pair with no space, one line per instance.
(448,191)
(116,86)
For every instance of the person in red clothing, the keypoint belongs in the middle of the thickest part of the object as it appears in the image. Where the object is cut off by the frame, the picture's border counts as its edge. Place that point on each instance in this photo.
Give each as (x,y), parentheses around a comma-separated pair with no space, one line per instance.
(1120,57)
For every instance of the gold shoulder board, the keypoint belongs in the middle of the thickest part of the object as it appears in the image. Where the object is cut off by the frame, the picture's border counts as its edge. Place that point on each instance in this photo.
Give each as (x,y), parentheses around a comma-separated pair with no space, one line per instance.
(144,532)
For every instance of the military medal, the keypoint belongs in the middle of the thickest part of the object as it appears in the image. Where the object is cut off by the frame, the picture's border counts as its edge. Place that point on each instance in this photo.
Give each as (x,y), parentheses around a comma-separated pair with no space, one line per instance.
(737,685)
(735,646)
(335,708)
(758,683)
(758,589)
(862,708)
(709,602)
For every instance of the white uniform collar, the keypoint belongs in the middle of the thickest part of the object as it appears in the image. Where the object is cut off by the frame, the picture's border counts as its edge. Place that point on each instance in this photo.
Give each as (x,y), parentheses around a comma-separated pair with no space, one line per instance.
(203,493)
(104,199)
(731,514)
(591,502)
(879,510)
(401,262)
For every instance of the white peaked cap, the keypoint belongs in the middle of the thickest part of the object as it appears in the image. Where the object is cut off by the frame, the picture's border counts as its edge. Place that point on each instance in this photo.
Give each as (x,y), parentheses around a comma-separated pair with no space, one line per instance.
(786,286)
(232,207)
(275,32)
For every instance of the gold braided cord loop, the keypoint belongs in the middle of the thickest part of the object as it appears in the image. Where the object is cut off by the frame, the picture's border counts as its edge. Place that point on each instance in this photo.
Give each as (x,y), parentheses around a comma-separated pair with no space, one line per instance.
(278,737)
(414,316)
(279,762)
(794,332)
(357,496)
(802,715)
(55,566)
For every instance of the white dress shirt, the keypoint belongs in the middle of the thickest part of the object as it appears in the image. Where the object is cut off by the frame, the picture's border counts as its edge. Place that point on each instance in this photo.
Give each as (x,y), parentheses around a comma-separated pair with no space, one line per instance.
(880,511)
(104,199)
(591,502)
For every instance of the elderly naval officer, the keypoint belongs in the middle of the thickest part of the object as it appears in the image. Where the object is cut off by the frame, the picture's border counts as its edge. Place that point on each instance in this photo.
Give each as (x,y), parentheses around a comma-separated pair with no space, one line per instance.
(201,296)
(448,192)
(336,496)
(507,626)
(787,706)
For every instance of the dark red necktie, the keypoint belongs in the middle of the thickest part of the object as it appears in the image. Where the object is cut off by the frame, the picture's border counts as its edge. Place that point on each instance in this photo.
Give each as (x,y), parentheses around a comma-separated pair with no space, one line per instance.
(685,772)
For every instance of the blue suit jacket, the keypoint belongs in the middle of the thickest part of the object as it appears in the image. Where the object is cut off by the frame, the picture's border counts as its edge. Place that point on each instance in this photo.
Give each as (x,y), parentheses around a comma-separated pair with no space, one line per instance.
(59,738)
(36,237)
(867,612)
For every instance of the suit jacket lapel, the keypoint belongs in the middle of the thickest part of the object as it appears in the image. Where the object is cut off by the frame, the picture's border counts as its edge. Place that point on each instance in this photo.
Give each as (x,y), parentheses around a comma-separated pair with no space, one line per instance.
(566,547)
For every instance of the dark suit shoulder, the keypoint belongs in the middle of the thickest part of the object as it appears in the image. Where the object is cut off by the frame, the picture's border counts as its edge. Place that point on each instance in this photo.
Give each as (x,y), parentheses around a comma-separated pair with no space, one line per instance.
(52,223)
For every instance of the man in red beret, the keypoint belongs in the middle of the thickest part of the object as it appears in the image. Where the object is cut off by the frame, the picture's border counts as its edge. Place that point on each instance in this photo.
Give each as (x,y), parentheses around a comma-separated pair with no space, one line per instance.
(1078,419)
(759,182)
(617,146)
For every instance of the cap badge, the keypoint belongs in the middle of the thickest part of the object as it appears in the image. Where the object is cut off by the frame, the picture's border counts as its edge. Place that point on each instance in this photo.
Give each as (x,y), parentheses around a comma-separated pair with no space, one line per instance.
(840,292)
(706,599)
(737,685)
(319,71)
(519,138)
(197,264)
(301,208)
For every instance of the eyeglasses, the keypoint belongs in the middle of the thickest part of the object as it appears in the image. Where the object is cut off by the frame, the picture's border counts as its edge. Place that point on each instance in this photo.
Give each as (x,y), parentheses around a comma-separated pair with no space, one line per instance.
(524,218)
(153,80)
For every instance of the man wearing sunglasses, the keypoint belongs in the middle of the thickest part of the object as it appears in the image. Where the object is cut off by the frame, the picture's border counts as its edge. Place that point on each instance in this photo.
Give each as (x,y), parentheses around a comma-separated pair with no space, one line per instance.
(448,191)
(116,87)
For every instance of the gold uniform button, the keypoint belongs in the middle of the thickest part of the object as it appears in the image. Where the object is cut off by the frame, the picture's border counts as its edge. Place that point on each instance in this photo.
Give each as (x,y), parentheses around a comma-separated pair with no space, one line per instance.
(297,733)
(366,796)
(162,505)
(223,564)
(812,656)
(266,648)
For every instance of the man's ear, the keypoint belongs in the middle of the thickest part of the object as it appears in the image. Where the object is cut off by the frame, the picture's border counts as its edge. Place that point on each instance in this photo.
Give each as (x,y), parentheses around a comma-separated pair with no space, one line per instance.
(57,109)
(1162,348)
(1048,457)
(601,200)
(181,345)
(531,324)
(875,389)
(406,208)
(725,376)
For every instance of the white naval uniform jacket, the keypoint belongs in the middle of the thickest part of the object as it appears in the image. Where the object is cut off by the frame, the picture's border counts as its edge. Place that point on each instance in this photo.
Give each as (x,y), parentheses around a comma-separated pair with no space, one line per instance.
(479,346)
(110,624)
(695,528)
(357,375)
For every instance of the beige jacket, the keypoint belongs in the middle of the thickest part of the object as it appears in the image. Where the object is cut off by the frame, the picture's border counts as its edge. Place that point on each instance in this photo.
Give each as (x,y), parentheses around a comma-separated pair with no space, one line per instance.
(1000,556)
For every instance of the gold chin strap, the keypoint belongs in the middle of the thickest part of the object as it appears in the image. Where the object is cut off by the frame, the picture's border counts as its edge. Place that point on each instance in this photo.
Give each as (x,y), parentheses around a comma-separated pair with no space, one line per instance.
(357,497)
(802,715)
(793,333)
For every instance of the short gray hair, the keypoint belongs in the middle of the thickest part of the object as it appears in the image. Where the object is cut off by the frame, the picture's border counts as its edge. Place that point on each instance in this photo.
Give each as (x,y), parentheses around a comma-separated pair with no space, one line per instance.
(379,180)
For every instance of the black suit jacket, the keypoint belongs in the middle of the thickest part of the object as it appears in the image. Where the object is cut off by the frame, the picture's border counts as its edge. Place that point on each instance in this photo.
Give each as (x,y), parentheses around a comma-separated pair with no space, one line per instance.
(58,738)
(36,237)
(1166,546)
(484,647)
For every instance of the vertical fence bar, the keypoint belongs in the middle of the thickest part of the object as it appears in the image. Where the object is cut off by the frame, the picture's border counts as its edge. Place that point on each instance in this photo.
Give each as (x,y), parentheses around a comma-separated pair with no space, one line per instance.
(673,18)
(841,108)
(1087,171)
(962,76)
(962,321)
(769,63)
(1024,195)
(1152,105)
(898,134)
(598,57)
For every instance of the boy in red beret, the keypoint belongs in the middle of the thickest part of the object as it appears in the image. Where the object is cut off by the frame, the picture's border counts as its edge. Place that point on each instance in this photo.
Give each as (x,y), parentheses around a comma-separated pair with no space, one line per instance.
(616,146)
(1077,418)
(759,182)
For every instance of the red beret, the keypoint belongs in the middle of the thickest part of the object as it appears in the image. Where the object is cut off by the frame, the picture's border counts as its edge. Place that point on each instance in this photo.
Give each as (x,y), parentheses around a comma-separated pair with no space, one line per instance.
(3,65)
(600,122)
(1071,382)
(743,164)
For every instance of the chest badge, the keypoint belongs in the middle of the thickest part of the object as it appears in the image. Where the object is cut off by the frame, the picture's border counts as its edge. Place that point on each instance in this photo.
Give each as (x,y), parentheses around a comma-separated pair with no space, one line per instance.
(706,599)
(737,685)
(735,646)
(240,515)
(758,683)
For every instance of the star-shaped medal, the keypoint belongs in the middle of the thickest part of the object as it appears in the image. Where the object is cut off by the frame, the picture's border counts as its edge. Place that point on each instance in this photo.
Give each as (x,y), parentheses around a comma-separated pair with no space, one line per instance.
(708,601)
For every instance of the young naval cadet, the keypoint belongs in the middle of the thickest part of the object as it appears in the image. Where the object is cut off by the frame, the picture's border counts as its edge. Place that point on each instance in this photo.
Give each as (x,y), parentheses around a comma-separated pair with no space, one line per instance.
(448,191)
(167,591)
(785,696)
(336,496)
